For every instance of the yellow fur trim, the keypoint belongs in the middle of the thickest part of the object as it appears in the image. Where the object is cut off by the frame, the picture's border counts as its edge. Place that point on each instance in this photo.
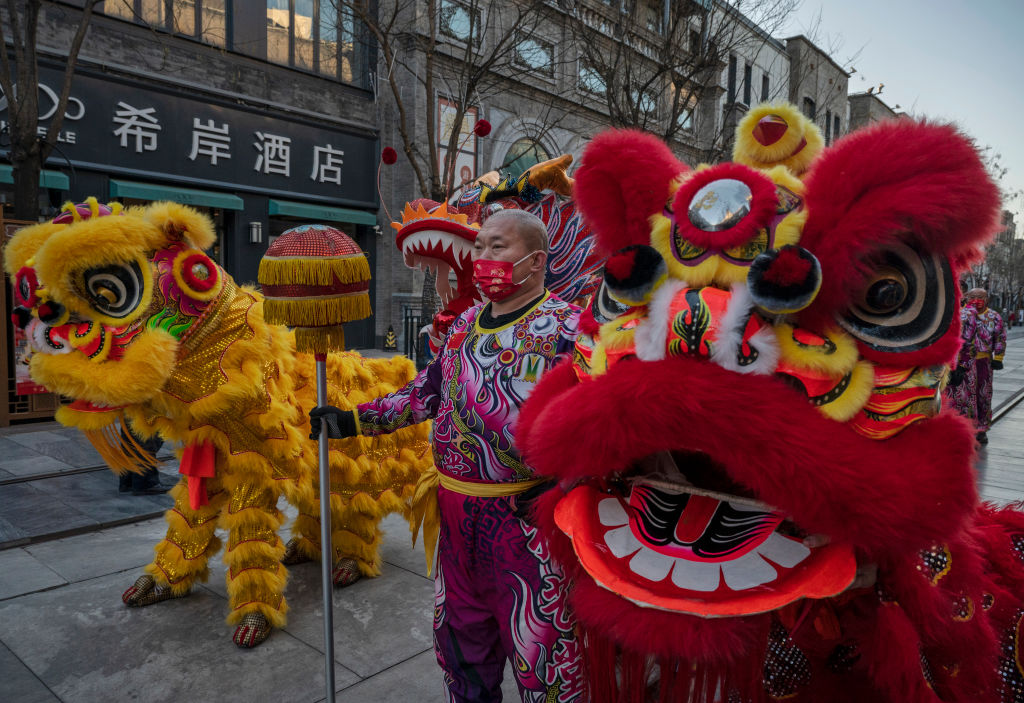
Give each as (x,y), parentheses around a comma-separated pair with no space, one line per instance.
(313,270)
(317,312)
(818,358)
(99,241)
(86,421)
(176,267)
(24,245)
(115,208)
(137,377)
(661,239)
(180,222)
(749,151)
(782,176)
(855,396)
(612,334)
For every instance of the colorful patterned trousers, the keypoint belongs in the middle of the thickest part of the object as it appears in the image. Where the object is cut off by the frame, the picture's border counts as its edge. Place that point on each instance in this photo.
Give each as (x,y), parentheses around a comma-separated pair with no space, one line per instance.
(499,597)
(973,397)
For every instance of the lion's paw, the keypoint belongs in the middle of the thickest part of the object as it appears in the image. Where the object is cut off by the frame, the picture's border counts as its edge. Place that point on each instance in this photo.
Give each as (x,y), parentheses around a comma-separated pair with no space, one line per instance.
(145,591)
(251,632)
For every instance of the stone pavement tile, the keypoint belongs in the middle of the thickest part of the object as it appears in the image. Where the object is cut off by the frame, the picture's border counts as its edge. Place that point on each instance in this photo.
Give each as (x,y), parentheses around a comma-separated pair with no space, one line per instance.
(100,553)
(11,451)
(95,494)
(37,464)
(28,511)
(85,645)
(377,622)
(397,546)
(77,454)
(416,679)
(20,684)
(20,573)
(998,495)
(32,440)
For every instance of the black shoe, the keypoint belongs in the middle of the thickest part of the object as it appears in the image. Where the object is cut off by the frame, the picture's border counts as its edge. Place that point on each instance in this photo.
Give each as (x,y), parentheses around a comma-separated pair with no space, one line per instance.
(154,490)
(981,438)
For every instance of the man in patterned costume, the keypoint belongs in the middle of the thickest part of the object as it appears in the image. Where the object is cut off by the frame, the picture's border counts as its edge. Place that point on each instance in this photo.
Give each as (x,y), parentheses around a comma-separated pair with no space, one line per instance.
(984,343)
(498,595)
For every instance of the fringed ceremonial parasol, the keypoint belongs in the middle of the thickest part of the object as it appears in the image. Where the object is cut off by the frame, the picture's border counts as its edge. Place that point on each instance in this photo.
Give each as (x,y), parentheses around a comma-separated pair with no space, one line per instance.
(315,278)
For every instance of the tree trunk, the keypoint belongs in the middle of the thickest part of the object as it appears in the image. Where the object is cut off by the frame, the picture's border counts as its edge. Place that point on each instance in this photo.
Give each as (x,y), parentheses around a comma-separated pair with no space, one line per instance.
(26,182)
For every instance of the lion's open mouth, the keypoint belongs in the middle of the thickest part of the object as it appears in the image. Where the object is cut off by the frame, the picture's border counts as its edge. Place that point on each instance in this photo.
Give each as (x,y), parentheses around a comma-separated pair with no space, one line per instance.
(682,537)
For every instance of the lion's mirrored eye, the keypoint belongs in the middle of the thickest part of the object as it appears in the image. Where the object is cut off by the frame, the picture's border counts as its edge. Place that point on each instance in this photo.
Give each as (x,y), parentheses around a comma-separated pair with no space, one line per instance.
(114,290)
(906,305)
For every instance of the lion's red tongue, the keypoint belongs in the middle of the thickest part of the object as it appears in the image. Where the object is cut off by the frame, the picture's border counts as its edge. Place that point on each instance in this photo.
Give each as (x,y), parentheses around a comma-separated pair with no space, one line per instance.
(695,518)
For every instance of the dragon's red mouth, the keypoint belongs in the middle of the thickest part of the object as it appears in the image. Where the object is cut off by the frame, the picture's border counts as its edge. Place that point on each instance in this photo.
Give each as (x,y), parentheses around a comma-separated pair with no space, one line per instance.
(661,542)
(432,247)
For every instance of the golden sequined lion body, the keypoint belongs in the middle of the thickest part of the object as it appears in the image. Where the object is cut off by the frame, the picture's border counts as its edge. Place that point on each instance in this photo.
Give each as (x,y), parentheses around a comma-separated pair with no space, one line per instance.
(126,315)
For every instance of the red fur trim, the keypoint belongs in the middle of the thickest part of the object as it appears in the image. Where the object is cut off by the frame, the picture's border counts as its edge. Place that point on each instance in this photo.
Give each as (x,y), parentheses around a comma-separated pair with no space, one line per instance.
(788,268)
(620,264)
(623,179)
(896,178)
(885,497)
(762,206)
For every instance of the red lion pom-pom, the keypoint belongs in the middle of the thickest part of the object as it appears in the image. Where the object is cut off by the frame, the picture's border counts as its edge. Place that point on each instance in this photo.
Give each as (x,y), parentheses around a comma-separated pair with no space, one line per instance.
(482,128)
(389,155)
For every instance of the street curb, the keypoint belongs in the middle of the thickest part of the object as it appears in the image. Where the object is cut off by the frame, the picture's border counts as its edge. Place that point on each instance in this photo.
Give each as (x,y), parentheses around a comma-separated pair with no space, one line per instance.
(82,530)
(1007,405)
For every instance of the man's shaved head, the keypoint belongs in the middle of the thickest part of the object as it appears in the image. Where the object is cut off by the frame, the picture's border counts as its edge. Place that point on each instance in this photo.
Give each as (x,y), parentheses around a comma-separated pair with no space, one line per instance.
(528,226)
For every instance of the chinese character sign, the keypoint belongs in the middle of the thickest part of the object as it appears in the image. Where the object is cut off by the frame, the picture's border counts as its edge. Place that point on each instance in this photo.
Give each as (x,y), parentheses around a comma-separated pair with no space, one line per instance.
(210,140)
(138,123)
(274,153)
(327,164)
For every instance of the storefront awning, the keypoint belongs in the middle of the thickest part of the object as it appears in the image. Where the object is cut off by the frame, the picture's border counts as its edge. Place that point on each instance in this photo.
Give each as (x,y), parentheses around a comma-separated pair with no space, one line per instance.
(321,212)
(185,196)
(47,179)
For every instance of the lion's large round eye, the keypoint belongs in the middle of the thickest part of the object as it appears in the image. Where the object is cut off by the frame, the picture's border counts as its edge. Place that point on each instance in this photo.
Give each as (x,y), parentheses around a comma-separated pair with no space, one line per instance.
(114,290)
(604,307)
(885,292)
(906,305)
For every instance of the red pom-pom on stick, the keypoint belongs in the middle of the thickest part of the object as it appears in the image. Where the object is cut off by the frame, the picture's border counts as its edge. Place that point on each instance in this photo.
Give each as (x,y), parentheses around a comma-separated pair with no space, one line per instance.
(482,128)
(389,155)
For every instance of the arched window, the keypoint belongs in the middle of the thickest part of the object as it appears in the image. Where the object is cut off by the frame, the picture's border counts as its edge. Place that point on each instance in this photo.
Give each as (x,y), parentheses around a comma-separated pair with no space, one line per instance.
(523,154)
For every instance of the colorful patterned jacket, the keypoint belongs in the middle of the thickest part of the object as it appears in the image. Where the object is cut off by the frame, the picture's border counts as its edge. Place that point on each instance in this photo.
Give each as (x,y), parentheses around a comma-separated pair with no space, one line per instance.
(474,387)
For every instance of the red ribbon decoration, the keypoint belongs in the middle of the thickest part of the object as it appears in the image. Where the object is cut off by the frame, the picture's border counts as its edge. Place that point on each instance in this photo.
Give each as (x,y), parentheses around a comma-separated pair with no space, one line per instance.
(197,462)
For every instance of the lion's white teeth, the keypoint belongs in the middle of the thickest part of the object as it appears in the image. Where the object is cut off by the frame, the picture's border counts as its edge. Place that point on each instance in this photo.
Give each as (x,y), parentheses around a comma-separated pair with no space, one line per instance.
(651,565)
(696,575)
(622,542)
(611,513)
(748,571)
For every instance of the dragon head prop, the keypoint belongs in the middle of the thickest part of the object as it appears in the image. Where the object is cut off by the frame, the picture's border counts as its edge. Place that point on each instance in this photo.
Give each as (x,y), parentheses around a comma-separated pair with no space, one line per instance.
(756,411)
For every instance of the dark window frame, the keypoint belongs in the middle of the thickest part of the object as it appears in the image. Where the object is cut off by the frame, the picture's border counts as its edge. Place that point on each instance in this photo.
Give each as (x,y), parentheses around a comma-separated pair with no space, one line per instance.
(731,85)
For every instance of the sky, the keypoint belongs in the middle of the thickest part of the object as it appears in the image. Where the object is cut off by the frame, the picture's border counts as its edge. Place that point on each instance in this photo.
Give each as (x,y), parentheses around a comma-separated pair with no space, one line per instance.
(956,60)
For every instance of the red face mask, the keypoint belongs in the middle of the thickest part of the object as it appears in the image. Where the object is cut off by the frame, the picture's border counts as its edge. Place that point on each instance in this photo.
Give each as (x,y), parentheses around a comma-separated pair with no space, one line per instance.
(977,303)
(494,278)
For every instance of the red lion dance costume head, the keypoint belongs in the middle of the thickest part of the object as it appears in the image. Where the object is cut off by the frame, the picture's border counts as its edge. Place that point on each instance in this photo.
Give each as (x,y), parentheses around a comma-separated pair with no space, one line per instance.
(753,425)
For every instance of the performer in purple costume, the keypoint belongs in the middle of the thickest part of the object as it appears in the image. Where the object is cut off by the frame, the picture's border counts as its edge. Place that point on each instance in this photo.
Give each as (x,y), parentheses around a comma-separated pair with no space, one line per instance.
(983,343)
(498,595)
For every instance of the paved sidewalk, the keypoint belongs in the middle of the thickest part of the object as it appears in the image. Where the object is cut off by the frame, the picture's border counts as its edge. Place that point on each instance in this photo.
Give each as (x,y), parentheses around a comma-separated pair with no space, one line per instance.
(65,635)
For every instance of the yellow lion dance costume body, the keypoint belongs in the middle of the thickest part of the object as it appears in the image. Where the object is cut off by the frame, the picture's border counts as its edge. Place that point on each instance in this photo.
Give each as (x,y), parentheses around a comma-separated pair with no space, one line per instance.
(126,315)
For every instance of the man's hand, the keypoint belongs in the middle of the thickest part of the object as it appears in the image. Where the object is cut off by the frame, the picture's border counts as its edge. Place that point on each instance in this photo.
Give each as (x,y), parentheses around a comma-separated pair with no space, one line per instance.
(339,423)
(956,376)
(997,365)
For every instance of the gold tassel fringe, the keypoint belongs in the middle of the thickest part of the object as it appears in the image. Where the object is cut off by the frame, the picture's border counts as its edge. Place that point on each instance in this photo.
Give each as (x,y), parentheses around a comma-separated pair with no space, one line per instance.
(313,270)
(314,340)
(317,312)
(120,451)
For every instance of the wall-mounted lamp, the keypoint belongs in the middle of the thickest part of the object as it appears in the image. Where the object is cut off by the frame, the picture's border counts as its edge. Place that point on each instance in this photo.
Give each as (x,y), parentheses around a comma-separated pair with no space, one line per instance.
(255,232)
